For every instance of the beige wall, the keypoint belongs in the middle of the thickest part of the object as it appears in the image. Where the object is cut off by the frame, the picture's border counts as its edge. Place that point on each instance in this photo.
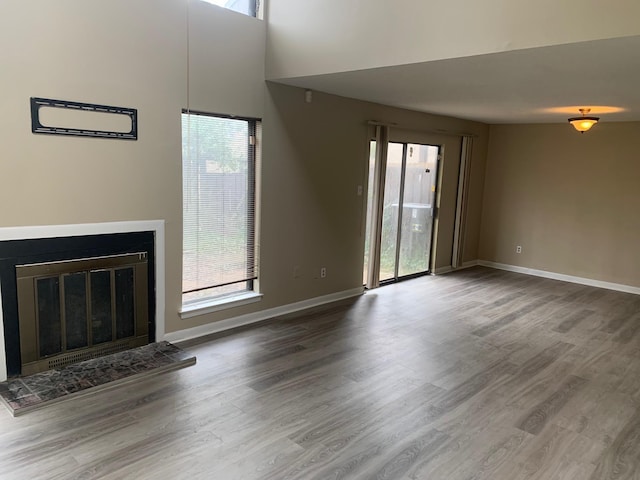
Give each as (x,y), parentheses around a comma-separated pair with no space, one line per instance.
(314,37)
(124,53)
(571,200)
(316,155)
(226,61)
(134,54)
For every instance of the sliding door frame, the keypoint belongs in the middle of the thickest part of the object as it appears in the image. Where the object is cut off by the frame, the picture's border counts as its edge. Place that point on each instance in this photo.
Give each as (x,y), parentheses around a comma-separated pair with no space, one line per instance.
(382,140)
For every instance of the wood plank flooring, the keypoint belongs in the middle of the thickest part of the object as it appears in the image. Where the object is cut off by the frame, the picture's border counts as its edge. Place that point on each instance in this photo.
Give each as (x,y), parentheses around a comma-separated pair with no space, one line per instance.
(478,374)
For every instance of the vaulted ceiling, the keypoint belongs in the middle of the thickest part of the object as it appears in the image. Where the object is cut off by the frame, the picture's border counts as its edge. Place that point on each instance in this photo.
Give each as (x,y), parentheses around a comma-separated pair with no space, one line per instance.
(538,85)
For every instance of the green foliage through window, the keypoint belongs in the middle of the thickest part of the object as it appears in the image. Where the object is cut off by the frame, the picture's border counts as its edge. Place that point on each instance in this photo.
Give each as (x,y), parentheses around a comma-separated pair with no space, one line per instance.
(218,166)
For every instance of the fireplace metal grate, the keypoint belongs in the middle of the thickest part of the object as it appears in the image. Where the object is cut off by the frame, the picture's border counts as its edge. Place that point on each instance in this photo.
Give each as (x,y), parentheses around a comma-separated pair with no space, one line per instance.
(77,310)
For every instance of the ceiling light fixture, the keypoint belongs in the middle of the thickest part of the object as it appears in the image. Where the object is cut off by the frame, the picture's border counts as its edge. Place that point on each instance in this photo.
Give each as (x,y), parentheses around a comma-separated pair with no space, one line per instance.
(583,123)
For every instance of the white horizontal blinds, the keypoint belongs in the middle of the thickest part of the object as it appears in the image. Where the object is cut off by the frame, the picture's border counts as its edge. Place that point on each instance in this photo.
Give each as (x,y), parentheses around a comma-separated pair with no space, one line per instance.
(218,163)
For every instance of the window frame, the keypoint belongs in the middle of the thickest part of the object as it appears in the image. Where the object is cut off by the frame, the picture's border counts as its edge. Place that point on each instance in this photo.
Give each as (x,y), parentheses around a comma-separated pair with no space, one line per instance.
(255,8)
(213,303)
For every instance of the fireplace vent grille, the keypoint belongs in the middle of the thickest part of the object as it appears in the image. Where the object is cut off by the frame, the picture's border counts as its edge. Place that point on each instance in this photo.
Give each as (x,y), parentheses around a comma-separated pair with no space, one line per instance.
(69,358)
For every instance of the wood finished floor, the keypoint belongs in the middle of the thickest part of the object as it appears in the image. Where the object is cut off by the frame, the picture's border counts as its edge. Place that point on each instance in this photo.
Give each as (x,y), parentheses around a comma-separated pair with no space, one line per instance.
(479,374)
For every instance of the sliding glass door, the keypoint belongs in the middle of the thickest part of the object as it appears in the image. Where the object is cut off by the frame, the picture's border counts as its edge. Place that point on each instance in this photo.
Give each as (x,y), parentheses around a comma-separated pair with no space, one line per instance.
(408,210)
(390,234)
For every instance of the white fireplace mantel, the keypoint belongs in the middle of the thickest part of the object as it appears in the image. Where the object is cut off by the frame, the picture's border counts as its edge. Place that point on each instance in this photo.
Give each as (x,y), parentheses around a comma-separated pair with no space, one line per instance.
(51,231)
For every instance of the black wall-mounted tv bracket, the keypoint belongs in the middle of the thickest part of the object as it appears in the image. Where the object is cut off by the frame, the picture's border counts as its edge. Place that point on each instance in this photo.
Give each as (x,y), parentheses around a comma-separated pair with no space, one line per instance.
(36,126)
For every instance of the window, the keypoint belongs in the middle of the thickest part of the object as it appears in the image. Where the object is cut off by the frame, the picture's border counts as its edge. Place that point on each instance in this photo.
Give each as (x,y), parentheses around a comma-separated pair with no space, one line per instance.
(247,7)
(218,174)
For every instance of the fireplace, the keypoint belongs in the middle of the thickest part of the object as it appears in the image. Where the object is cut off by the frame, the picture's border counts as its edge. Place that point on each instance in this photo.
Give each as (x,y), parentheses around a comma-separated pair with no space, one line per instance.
(75,310)
(85,290)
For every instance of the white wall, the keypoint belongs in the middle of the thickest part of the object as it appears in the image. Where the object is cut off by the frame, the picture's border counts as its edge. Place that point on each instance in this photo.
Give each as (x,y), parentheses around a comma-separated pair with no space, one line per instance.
(326,36)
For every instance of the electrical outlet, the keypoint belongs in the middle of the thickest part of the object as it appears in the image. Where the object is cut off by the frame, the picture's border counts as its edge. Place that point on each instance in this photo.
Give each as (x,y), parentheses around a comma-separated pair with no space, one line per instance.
(519,249)
(323,272)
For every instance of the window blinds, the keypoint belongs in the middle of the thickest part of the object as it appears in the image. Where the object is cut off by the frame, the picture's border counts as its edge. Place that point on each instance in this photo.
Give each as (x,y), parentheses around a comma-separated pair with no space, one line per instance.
(218,164)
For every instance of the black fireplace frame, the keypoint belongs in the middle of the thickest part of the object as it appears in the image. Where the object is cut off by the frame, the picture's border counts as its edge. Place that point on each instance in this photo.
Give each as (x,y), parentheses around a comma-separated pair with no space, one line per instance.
(27,251)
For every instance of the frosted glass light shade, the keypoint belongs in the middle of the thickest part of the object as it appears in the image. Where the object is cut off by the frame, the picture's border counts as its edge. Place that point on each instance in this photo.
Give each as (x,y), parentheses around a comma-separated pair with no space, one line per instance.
(582,124)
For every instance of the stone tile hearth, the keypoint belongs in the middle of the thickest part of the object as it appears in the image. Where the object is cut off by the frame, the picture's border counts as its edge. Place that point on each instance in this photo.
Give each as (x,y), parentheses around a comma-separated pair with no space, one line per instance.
(23,394)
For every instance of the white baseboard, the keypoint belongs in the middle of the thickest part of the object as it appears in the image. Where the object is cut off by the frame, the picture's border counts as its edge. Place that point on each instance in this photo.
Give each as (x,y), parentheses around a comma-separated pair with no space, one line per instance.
(248,319)
(561,276)
(469,264)
(449,268)
(441,270)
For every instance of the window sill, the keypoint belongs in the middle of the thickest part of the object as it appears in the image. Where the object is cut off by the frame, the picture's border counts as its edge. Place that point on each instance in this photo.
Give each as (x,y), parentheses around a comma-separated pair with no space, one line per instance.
(215,305)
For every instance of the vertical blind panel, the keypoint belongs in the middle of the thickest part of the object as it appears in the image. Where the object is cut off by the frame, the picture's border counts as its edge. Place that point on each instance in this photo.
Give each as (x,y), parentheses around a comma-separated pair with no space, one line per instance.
(218,204)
